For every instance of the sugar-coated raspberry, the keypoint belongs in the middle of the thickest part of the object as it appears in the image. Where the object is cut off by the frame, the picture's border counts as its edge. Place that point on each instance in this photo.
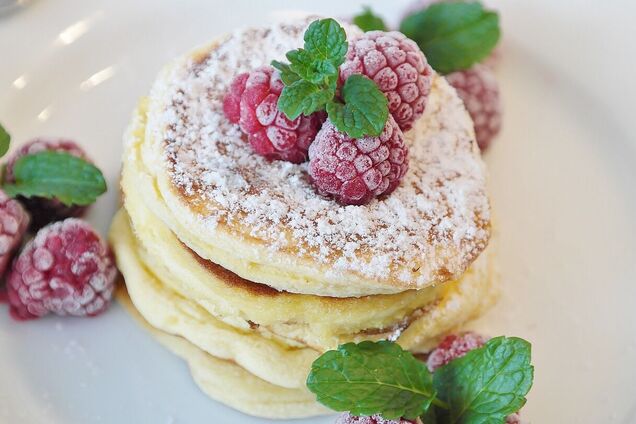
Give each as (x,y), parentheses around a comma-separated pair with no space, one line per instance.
(452,347)
(67,269)
(398,67)
(513,418)
(232,100)
(14,222)
(44,211)
(347,418)
(479,90)
(354,171)
(252,102)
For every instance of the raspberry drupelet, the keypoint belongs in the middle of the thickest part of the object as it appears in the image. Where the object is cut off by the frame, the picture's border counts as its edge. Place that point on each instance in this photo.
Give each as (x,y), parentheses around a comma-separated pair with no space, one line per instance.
(398,67)
(67,269)
(347,418)
(479,90)
(14,222)
(252,102)
(44,211)
(354,171)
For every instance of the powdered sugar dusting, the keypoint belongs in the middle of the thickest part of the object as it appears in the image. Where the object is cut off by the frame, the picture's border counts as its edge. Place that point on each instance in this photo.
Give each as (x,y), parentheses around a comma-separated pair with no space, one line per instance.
(435,223)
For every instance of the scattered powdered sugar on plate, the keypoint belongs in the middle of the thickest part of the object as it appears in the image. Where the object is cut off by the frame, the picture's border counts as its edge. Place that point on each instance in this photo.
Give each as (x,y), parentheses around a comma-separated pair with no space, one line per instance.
(435,223)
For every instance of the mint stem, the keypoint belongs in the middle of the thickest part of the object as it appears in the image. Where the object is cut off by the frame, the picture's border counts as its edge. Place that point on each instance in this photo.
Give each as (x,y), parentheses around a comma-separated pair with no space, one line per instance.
(440,403)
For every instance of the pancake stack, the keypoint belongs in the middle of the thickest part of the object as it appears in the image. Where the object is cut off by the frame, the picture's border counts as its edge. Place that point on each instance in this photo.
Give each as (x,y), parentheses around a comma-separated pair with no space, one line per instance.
(237,265)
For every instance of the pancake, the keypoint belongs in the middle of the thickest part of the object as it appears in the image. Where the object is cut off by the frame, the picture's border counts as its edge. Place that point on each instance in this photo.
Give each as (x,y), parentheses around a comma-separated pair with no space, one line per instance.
(230,384)
(274,359)
(322,322)
(264,222)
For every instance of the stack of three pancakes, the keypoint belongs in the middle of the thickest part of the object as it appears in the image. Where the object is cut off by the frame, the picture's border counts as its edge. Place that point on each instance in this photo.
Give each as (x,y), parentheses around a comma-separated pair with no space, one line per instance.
(239,267)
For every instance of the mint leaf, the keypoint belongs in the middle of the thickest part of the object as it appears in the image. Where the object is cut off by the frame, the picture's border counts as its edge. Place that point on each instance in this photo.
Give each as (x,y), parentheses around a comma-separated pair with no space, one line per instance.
(306,66)
(5,141)
(372,378)
(57,175)
(487,384)
(287,75)
(303,97)
(369,21)
(365,110)
(311,77)
(325,49)
(453,35)
(325,39)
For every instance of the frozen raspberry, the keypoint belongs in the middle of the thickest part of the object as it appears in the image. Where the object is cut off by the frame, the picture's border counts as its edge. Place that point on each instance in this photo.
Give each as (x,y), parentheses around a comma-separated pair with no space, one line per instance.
(453,346)
(479,90)
(397,66)
(44,211)
(252,102)
(347,418)
(14,222)
(232,100)
(354,171)
(513,419)
(67,269)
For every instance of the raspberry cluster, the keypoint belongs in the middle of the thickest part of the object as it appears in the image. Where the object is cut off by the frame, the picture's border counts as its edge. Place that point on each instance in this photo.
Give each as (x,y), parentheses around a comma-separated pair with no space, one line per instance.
(351,171)
(67,268)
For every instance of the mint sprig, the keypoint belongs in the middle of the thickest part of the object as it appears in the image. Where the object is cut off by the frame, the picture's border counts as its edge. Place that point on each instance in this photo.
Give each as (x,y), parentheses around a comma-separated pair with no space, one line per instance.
(311,84)
(364,111)
(312,70)
(487,384)
(303,97)
(453,35)
(58,175)
(368,378)
(369,21)
(5,141)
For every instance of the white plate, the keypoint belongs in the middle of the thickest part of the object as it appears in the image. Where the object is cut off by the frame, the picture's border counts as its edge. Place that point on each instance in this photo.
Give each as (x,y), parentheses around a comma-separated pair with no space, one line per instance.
(563,174)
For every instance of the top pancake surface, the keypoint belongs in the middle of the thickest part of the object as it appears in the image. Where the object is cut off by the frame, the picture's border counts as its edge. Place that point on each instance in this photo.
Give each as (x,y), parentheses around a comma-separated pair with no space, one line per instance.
(429,230)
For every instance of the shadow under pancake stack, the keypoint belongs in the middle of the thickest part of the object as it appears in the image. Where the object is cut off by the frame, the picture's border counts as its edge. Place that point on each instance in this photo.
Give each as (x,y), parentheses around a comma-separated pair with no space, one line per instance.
(238,266)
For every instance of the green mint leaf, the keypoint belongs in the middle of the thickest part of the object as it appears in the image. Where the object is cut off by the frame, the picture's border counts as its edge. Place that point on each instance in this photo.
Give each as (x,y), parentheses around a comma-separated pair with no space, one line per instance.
(325,39)
(306,66)
(453,35)
(286,74)
(487,384)
(325,49)
(369,21)
(365,110)
(5,141)
(372,378)
(311,76)
(303,97)
(57,175)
